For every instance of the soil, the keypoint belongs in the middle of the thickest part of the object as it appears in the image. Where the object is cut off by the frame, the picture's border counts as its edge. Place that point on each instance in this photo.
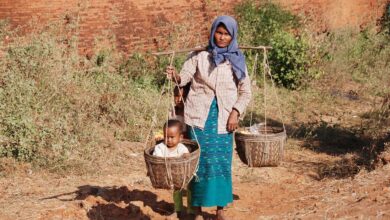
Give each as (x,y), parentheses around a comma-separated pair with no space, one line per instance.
(293,190)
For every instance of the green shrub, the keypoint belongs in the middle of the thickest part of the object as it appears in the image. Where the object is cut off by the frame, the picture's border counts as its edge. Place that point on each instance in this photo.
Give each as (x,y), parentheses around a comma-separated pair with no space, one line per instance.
(267,24)
(259,22)
(385,21)
(288,59)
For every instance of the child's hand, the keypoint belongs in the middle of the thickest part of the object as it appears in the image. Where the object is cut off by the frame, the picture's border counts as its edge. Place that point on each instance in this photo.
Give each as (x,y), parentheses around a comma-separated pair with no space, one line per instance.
(158,138)
(186,155)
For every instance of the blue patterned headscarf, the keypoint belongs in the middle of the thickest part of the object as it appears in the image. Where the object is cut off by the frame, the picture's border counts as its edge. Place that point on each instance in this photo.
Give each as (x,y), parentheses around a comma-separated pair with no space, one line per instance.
(231,52)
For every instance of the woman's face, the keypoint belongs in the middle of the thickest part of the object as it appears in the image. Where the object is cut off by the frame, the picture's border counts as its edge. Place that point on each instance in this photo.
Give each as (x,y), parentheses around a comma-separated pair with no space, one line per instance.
(222,37)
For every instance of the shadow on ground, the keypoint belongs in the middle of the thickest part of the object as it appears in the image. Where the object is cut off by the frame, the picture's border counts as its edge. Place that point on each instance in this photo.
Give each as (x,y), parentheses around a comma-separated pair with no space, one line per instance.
(332,139)
(118,203)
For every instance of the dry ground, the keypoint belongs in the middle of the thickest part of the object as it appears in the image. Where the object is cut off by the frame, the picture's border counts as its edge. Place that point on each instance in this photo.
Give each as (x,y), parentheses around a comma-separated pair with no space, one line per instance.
(293,190)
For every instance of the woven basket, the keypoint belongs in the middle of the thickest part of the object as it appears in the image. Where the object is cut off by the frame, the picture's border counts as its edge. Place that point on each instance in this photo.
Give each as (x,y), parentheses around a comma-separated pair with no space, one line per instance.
(172,172)
(263,149)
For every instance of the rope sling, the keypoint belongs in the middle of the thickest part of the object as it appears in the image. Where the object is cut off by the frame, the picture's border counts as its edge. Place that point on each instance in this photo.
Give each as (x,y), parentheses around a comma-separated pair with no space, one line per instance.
(172,173)
(263,145)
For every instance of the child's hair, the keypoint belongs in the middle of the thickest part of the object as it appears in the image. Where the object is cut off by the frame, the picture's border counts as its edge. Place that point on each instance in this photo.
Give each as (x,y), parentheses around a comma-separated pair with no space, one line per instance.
(185,90)
(176,90)
(174,123)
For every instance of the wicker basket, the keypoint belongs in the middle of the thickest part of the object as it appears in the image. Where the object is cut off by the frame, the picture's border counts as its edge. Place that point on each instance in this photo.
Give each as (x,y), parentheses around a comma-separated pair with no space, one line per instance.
(263,149)
(172,172)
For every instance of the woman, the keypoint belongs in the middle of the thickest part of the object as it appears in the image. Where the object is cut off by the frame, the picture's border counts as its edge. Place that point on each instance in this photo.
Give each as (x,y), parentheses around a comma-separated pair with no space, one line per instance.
(219,93)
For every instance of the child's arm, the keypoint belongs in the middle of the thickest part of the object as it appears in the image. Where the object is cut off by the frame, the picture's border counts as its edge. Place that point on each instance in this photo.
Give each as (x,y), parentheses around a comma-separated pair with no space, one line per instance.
(158,152)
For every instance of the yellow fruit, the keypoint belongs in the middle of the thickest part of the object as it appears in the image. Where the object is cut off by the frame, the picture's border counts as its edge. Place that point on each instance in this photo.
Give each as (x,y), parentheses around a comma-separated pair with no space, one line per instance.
(159,135)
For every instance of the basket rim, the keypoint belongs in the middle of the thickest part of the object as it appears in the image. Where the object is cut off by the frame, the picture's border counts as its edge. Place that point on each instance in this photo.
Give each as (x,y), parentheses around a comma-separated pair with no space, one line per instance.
(240,134)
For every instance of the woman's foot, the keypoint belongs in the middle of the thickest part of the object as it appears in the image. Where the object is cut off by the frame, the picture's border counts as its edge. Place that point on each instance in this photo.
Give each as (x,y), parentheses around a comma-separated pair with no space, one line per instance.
(221,214)
(173,216)
(197,213)
(198,217)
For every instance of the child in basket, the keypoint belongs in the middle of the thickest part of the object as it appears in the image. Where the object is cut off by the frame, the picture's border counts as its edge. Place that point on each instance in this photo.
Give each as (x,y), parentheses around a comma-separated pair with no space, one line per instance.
(171,147)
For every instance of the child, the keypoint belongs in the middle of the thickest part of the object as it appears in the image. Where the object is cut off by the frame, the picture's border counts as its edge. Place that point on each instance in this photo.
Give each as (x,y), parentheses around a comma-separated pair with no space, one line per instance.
(171,147)
(180,95)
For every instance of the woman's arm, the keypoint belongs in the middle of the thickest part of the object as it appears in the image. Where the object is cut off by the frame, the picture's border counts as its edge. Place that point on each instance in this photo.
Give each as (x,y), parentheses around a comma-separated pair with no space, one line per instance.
(187,72)
(244,95)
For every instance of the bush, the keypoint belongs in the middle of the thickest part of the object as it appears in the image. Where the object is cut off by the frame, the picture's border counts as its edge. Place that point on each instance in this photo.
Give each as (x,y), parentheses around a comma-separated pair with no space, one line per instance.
(385,21)
(288,59)
(267,24)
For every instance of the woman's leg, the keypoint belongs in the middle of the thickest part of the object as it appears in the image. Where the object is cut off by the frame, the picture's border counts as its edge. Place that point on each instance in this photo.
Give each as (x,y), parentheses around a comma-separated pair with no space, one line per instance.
(197,212)
(190,209)
(178,200)
(221,213)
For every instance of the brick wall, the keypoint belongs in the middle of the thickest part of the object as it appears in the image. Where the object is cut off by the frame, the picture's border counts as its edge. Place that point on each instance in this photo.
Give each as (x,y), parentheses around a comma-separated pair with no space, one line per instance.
(139,25)
(325,15)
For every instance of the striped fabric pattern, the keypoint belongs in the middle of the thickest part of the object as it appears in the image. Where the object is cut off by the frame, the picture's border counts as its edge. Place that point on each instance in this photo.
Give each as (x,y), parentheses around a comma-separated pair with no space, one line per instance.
(213,184)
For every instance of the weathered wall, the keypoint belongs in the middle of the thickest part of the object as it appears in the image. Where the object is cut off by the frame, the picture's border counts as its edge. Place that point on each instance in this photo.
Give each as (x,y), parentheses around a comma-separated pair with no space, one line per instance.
(324,15)
(147,24)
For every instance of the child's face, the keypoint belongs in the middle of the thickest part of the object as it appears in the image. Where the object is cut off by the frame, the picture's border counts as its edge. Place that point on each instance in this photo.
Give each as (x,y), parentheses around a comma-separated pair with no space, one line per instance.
(172,136)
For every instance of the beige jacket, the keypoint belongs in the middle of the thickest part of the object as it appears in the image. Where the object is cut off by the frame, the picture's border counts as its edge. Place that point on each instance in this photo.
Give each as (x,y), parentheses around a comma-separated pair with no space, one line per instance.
(209,81)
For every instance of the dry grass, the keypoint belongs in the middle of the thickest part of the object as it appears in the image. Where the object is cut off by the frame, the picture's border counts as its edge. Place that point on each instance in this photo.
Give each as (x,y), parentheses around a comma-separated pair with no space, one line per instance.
(61,111)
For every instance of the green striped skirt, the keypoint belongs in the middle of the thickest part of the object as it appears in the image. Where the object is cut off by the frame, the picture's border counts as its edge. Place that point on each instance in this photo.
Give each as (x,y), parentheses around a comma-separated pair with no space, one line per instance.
(213,184)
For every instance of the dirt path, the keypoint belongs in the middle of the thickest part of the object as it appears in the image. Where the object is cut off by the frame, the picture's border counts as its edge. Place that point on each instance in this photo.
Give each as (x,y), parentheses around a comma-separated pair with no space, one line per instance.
(290,191)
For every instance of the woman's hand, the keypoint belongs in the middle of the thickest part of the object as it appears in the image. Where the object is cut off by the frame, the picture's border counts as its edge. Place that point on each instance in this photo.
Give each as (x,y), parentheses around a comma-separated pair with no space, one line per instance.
(172,74)
(232,122)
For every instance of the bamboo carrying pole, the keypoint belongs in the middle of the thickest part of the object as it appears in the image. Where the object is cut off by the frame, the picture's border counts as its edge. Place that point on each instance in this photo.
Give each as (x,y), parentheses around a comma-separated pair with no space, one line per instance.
(205,48)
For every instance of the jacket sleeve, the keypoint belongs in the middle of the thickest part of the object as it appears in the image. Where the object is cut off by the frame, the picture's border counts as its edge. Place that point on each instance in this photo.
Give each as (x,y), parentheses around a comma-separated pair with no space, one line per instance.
(189,69)
(244,94)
